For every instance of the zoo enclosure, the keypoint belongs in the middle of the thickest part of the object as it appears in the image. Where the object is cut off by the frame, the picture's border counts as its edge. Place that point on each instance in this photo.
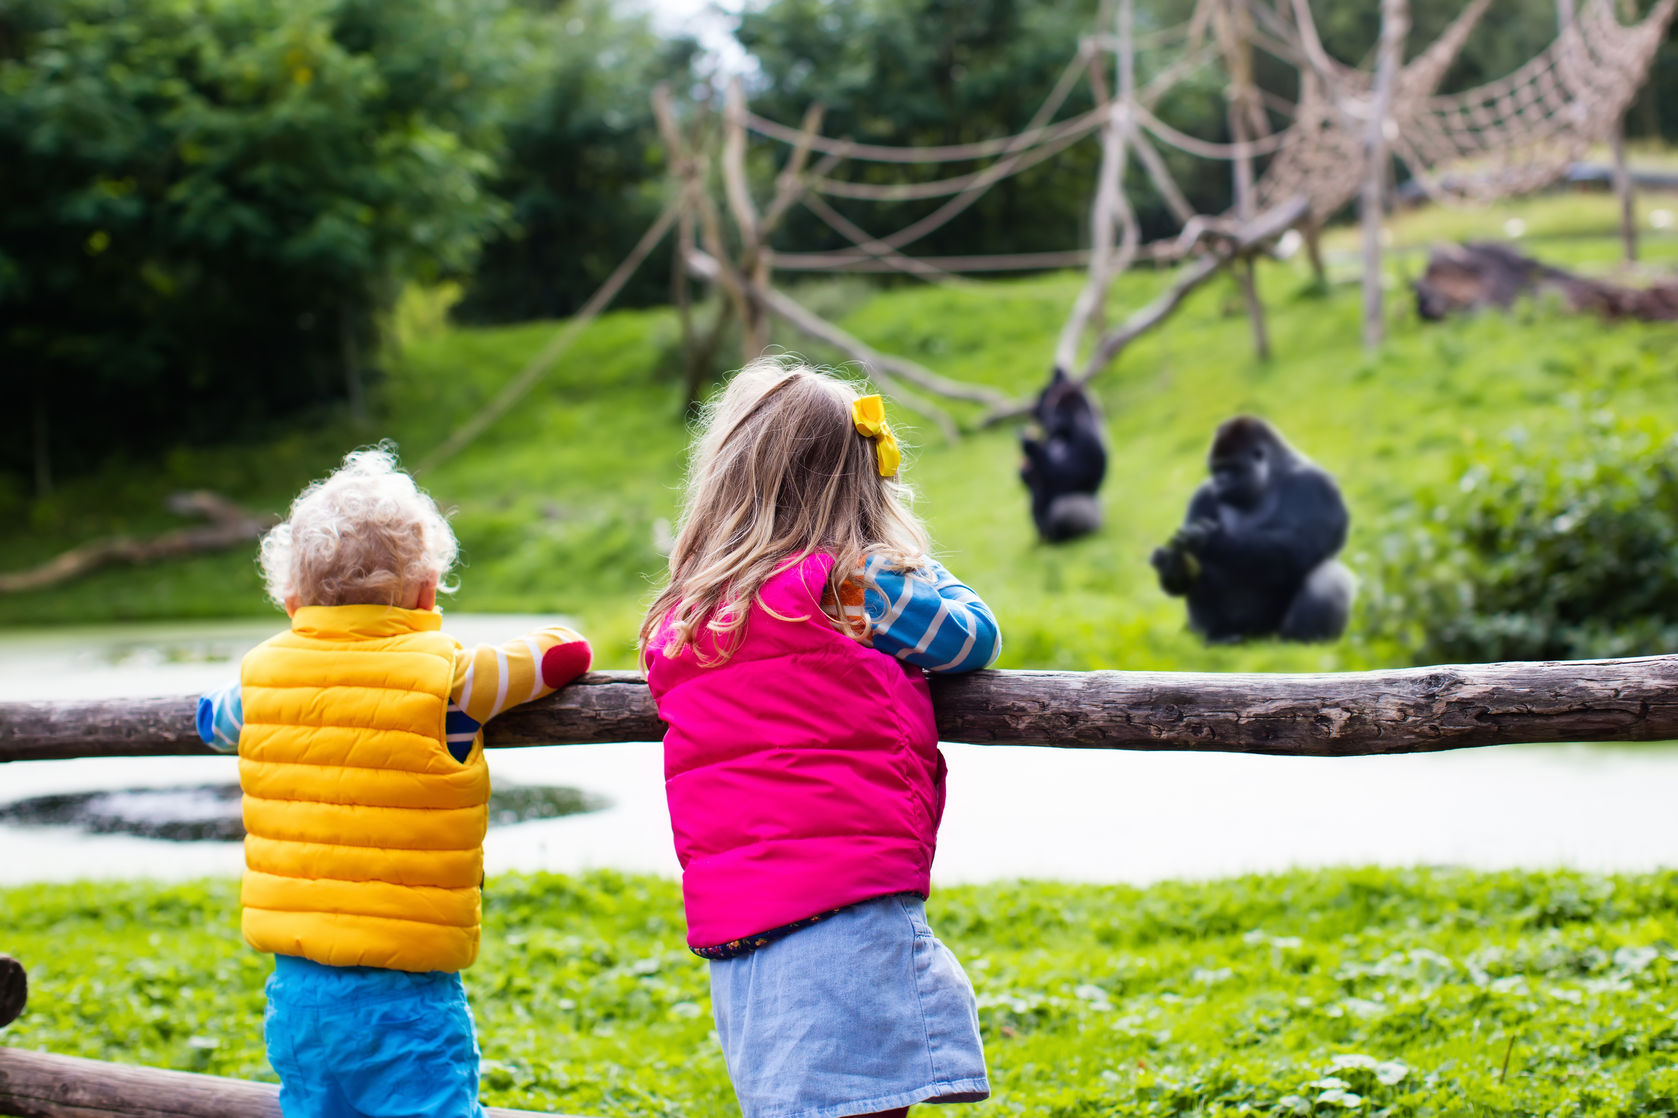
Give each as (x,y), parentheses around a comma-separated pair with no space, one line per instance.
(1411,710)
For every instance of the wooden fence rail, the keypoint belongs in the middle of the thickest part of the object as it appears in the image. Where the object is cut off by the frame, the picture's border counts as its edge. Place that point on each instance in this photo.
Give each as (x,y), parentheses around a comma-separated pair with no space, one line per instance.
(1408,711)
(42,1085)
(1412,710)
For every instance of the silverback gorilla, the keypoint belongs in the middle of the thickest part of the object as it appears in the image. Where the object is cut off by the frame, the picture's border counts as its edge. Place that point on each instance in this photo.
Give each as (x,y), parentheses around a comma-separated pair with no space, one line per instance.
(1063,469)
(1255,554)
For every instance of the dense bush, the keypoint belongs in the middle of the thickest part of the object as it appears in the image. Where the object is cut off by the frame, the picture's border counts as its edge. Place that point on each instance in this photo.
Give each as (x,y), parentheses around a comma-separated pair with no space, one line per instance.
(1565,551)
(207,204)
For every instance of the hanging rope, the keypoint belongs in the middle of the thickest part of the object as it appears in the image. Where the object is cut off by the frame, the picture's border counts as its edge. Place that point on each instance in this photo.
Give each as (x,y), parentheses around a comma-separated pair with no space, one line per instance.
(538,366)
(1054,141)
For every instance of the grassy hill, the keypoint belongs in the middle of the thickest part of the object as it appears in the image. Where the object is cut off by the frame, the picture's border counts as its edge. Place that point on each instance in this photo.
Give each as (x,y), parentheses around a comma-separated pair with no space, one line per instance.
(560,505)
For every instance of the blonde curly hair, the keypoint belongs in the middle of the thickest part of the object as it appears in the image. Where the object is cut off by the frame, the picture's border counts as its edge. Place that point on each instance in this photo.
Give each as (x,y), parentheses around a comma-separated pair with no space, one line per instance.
(364,535)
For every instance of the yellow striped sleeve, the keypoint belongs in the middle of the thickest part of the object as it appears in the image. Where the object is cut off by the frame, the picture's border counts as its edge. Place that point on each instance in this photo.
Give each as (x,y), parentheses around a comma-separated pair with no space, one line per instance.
(491,678)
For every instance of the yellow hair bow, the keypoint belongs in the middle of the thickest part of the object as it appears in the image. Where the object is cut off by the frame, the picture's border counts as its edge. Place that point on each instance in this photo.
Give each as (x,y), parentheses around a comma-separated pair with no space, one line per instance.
(869,413)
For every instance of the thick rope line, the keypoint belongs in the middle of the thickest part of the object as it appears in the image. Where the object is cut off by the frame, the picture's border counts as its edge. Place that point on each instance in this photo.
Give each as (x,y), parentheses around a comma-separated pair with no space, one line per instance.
(1209,149)
(859,262)
(859,237)
(1061,137)
(538,366)
(948,153)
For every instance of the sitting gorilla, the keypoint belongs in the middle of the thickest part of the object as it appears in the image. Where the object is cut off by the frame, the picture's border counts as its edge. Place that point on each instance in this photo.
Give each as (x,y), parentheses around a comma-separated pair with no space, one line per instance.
(1255,554)
(1063,469)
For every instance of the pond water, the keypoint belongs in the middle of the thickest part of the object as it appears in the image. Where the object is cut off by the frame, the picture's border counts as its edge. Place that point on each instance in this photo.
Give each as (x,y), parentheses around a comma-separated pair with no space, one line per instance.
(1101,816)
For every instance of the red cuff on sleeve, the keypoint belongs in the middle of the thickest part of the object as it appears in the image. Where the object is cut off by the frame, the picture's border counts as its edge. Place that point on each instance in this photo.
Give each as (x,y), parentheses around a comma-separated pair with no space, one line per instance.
(564,662)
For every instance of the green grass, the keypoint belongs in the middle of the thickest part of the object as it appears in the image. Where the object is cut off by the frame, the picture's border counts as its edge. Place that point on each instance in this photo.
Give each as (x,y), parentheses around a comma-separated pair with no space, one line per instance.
(1380,992)
(559,503)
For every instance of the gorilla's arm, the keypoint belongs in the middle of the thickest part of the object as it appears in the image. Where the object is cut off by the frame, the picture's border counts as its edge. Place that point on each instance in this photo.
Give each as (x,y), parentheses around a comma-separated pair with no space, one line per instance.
(1177,561)
(1307,525)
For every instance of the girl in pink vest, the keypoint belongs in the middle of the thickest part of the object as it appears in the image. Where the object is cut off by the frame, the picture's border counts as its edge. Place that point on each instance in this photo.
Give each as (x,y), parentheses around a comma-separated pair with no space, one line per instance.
(788,657)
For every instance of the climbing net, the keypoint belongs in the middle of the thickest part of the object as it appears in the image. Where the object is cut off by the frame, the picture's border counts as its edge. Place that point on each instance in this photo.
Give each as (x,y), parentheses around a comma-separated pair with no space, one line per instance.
(1504,138)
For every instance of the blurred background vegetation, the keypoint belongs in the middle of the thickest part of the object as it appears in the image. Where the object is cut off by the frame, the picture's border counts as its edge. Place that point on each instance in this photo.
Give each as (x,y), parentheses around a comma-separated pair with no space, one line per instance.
(211,207)
(240,237)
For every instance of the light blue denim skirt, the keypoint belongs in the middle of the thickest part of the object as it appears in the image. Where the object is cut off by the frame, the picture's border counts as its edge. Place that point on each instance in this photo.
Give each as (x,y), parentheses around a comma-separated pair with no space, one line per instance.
(861,1012)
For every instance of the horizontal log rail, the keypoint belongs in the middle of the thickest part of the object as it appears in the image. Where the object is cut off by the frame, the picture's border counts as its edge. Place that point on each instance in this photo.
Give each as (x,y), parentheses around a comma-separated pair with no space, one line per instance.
(1410,710)
(42,1085)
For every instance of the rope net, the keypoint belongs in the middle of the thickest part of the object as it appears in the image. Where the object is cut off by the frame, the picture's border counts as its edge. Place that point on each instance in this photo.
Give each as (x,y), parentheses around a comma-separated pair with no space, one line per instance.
(1508,137)
(1505,138)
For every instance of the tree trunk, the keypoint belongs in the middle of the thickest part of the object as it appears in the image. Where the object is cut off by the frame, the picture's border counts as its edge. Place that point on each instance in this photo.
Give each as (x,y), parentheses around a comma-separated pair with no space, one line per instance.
(1395,25)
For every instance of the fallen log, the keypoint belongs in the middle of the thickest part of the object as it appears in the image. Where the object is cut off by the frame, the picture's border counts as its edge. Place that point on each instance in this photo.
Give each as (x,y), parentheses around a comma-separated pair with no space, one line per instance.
(229,525)
(14,990)
(41,1085)
(1409,710)
(1470,277)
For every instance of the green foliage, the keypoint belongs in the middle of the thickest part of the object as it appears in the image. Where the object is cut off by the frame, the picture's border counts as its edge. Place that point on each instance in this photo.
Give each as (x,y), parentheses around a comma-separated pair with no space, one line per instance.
(209,203)
(1379,992)
(585,170)
(1550,548)
(559,504)
(929,72)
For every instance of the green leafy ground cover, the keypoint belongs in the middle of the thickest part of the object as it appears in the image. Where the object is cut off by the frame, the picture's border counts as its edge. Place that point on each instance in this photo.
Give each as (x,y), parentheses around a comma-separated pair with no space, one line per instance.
(1361,991)
(559,504)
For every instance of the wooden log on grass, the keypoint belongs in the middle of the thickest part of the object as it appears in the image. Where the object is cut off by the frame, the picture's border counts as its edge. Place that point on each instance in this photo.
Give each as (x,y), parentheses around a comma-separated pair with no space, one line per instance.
(1409,710)
(41,1085)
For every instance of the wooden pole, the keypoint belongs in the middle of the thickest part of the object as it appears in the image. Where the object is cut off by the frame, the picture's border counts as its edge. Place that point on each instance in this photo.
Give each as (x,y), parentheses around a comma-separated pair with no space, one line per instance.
(1233,26)
(725,277)
(1266,227)
(1408,710)
(1624,192)
(14,990)
(1107,258)
(753,262)
(1395,26)
(41,1085)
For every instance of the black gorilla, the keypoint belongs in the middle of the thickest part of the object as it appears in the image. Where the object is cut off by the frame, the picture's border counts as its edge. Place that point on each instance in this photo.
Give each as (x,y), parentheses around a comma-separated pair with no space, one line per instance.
(1255,554)
(1063,469)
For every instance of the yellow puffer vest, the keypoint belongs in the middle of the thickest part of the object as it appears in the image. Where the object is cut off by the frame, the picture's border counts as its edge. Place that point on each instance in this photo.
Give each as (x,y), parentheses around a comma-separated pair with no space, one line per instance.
(364,836)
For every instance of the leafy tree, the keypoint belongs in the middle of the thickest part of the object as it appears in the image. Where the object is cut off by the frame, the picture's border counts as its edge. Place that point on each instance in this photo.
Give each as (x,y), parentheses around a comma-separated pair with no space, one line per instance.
(207,204)
(585,171)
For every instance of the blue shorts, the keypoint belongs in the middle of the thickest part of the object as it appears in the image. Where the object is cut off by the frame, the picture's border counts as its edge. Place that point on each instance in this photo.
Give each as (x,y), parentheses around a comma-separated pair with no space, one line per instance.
(361,1042)
(863,1011)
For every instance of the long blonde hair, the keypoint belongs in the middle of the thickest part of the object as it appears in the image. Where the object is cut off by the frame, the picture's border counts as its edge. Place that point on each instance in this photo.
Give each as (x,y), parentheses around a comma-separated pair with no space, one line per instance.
(777,472)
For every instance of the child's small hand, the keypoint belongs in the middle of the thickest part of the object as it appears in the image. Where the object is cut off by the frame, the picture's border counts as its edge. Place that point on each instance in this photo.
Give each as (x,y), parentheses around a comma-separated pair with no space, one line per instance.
(565,662)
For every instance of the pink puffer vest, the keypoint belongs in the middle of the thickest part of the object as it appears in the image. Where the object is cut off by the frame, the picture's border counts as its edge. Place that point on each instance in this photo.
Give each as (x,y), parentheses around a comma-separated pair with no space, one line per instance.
(803,774)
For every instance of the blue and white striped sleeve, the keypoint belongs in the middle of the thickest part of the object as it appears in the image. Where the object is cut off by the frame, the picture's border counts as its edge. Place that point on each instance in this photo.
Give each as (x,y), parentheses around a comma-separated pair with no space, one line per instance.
(929,618)
(221,714)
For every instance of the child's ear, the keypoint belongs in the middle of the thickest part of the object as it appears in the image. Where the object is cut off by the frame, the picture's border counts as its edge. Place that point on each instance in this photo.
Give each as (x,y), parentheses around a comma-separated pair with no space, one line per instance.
(427,598)
(291,604)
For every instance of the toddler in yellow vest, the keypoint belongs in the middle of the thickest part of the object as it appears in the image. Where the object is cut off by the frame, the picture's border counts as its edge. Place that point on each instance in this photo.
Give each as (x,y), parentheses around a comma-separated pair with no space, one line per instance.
(359,732)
